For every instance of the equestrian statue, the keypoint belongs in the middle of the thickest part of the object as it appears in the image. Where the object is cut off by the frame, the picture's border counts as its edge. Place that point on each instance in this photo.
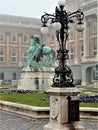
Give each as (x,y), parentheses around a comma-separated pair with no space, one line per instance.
(39,54)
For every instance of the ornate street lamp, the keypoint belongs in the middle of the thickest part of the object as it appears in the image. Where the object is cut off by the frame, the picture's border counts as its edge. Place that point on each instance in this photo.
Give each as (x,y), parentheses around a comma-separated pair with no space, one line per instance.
(60,21)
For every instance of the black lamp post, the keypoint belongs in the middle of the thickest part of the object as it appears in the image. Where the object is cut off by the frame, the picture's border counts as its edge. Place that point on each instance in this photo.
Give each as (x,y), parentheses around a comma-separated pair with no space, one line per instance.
(60,21)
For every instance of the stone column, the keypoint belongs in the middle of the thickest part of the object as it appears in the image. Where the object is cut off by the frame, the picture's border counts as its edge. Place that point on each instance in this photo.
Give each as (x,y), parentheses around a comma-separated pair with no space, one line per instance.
(97,38)
(86,51)
(96,83)
(86,37)
(20,49)
(59,109)
(7,49)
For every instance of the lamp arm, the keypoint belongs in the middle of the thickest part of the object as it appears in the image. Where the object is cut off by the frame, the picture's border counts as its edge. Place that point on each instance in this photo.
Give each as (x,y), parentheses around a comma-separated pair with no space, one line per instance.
(77,14)
(46,17)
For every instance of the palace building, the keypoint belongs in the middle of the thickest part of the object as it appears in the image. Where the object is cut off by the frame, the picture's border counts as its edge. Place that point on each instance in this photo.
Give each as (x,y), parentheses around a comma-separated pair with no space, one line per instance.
(14,39)
(15,34)
(83,46)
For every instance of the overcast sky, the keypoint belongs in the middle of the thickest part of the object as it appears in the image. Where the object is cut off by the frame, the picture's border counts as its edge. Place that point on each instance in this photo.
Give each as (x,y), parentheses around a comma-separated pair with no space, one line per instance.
(27,8)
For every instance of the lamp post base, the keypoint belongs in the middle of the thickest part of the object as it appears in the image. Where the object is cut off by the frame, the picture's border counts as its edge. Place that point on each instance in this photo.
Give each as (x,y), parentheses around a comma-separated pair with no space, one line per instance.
(59,109)
(71,126)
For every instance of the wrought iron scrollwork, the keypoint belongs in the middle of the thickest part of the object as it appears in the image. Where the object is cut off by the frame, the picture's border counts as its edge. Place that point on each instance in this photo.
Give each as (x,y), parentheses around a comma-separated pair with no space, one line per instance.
(63,75)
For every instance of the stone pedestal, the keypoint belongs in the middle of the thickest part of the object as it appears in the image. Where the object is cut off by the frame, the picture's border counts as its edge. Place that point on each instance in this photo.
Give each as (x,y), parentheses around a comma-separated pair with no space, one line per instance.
(59,109)
(96,84)
(35,78)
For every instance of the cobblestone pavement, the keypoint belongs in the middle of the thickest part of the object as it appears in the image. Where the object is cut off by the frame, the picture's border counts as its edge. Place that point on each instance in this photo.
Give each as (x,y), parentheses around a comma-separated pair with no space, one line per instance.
(10,121)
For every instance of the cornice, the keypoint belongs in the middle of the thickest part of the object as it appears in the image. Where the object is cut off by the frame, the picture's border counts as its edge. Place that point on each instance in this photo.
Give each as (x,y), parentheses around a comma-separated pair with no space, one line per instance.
(90,6)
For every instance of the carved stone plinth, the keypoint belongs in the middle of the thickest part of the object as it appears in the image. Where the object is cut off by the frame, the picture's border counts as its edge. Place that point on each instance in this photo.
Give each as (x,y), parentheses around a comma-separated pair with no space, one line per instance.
(59,109)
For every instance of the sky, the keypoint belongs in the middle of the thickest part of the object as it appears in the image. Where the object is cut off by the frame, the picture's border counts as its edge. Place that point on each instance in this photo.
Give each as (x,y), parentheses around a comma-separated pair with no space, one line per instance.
(27,8)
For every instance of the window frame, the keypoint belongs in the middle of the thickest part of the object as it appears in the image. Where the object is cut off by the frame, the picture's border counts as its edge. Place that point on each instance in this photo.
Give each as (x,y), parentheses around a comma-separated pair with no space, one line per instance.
(94,27)
(25,59)
(81,50)
(14,76)
(71,53)
(71,33)
(2,56)
(81,34)
(27,38)
(2,76)
(95,74)
(94,49)
(3,37)
(12,36)
(13,56)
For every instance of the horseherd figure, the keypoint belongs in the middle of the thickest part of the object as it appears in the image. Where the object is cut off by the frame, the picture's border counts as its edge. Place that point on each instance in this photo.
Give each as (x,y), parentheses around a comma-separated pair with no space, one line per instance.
(39,54)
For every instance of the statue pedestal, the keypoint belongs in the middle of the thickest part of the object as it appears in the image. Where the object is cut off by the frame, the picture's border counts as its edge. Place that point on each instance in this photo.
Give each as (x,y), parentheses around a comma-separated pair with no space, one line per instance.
(59,109)
(35,78)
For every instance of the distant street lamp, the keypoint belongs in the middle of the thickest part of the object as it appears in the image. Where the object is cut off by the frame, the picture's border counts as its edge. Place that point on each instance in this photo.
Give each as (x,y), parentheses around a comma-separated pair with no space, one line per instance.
(96,71)
(60,22)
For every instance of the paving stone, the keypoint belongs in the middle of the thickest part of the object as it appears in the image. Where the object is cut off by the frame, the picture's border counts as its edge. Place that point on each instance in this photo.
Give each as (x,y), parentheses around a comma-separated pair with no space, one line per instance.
(10,121)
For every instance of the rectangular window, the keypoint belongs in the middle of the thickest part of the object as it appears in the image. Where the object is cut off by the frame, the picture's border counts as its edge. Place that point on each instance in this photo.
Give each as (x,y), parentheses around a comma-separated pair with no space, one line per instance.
(81,34)
(26,56)
(81,51)
(94,49)
(71,33)
(95,75)
(1,76)
(71,55)
(14,38)
(2,56)
(14,76)
(13,57)
(25,38)
(94,27)
(1,37)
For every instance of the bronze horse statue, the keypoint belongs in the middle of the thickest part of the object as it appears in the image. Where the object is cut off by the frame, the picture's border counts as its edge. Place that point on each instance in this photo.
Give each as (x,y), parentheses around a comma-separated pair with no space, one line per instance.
(38,52)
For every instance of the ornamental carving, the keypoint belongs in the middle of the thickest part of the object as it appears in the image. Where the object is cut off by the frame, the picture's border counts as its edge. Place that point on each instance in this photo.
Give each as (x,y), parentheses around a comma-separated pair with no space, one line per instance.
(54,108)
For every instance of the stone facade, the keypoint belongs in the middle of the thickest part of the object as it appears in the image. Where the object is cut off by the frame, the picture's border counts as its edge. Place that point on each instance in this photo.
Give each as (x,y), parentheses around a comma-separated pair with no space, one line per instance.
(83,47)
(90,43)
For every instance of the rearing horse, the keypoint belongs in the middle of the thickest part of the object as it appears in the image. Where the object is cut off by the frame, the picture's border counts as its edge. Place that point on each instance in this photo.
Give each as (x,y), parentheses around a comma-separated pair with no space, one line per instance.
(39,53)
